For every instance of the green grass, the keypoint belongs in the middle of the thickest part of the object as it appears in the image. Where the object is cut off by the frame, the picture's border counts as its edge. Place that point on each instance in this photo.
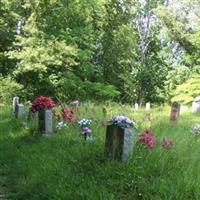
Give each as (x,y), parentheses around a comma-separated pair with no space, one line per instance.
(65,167)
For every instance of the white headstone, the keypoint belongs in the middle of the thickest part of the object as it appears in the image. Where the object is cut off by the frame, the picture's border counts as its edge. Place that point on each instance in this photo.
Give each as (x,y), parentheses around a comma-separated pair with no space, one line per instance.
(15,103)
(148,106)
(20,110)
(48,121)
(196,105)
(136,106)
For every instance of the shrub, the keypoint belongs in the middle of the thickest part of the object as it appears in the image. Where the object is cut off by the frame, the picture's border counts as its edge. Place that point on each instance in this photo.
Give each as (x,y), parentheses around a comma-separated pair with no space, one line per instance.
(186,92)
(9,88)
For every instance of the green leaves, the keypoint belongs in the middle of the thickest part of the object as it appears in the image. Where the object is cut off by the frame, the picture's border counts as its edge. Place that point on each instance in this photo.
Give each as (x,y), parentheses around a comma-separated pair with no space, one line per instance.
(187,91)
(43,54)
(9,88)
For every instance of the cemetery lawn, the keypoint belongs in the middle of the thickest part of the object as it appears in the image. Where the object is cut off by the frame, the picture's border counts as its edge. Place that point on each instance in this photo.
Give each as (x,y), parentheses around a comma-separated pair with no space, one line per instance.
(65,167)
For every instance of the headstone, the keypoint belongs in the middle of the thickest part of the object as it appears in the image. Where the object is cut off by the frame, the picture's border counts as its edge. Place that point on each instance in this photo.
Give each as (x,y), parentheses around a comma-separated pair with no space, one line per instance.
(119,142)
(196,105)
(42,122)
(136,106)
(104,111)
(15,103)
(175,112)
(33,122)
(20,110)
(48,121)
(148,106)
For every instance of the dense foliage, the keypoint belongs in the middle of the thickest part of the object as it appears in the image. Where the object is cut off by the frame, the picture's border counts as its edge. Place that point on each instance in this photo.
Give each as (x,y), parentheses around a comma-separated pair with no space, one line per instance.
(127,51)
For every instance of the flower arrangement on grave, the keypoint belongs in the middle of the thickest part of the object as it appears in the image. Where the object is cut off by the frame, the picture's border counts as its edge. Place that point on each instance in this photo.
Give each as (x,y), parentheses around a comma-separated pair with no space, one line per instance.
(147,138)
(41,103)
(68,114)
(42,114)
(167,143)
(196,129)
(85,127)
(61,125)
(123,122)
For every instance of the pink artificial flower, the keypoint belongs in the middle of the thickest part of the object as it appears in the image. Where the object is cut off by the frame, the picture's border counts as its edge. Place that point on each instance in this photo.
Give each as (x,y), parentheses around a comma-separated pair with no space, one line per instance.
(167,143)
(147,138)
(68,114)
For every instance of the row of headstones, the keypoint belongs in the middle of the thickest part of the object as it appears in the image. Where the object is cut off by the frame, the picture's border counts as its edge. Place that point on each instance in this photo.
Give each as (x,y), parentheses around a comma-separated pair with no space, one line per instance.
(147,106)
(195,105)
(119,142)
(43,119)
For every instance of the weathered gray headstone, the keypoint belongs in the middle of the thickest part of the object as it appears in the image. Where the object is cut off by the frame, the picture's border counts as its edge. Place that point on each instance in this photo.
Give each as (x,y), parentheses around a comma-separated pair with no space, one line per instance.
(136,106)
(20,110)
(48,121)
(148,106)
(15,103)
(196,105)
(119,142)
(175,112)
(42,121)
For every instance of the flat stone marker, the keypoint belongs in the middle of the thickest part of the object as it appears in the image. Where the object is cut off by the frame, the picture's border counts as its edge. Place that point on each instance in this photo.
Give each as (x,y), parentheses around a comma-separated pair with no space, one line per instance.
(175,112)
(196,105)
(136,106)
(119,142)
(48,122)
(148,106)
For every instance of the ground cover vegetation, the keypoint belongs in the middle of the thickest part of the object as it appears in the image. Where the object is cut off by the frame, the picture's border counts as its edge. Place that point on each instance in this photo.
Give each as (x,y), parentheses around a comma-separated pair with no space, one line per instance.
(65,166)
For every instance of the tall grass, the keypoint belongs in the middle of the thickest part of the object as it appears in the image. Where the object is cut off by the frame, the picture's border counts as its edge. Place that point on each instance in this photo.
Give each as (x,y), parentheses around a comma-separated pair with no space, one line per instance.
(65,167)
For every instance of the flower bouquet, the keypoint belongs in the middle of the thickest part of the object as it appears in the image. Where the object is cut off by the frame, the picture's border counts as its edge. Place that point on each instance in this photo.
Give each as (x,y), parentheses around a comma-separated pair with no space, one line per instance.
(85,127)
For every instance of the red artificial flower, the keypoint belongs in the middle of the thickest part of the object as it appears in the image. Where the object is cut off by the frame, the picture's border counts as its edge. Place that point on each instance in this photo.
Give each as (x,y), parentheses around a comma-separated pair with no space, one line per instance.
(147,138)
(41,103)
(68,114)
